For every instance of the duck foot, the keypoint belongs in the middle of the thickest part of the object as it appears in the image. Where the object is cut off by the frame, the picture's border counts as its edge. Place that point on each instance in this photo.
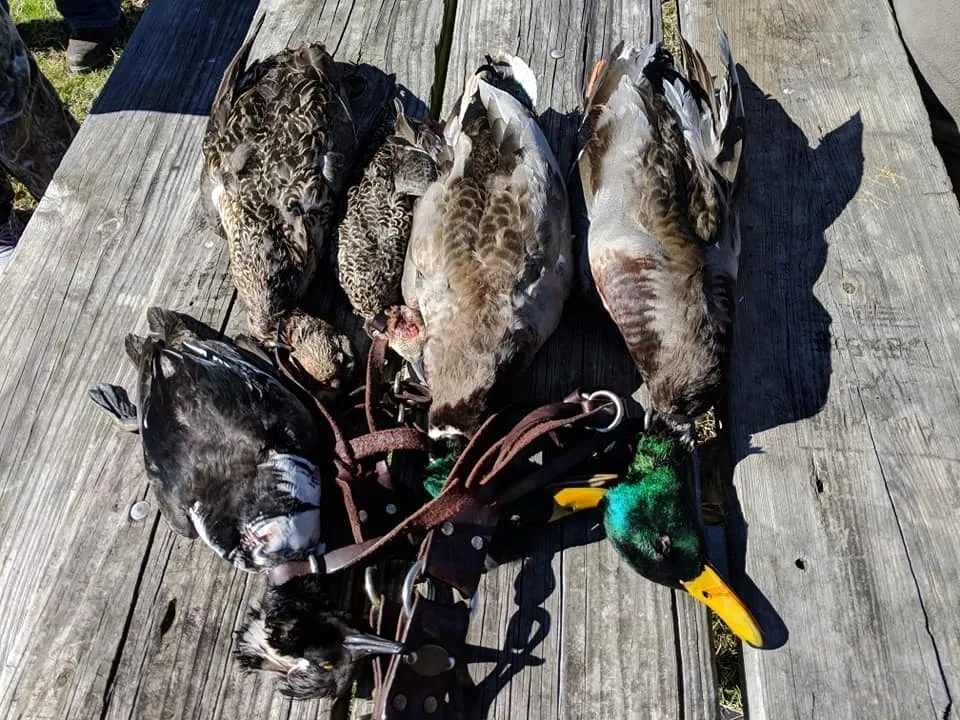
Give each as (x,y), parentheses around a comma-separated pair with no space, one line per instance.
(114,400)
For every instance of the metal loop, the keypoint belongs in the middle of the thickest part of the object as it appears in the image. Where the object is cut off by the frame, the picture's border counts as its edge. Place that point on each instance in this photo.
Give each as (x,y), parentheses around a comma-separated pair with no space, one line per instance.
(648,419)
(369,586)
(617,403)
(408,582)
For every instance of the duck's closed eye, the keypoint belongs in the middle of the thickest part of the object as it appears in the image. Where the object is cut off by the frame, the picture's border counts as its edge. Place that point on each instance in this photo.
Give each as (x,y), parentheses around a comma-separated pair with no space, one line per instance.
(662,545)
(326,666)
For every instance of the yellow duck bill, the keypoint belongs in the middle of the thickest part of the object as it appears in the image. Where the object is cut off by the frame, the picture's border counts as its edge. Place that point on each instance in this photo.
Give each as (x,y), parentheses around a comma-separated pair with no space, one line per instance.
(710,589)
(570,500)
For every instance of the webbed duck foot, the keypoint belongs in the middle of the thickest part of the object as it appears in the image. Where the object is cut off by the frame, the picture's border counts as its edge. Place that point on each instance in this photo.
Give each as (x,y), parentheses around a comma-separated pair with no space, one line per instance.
(114,400)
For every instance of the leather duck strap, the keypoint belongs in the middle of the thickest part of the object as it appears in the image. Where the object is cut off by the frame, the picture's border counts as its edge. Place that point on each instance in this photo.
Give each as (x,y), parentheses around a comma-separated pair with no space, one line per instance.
(478,478)
(362,473)
(453,552)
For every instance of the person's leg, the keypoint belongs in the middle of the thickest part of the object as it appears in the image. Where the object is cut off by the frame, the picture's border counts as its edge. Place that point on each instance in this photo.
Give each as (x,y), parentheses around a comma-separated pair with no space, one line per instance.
(35,127)
(10,226)
(930,29)
(93,28)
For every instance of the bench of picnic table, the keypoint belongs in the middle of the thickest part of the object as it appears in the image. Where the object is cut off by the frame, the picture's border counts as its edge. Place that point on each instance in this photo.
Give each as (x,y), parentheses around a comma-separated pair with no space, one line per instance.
(843,403)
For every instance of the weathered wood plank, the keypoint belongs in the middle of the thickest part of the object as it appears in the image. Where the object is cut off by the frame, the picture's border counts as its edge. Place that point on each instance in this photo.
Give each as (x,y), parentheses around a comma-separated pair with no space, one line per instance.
(114,233)
(579,634)
(102,616)
(844,400)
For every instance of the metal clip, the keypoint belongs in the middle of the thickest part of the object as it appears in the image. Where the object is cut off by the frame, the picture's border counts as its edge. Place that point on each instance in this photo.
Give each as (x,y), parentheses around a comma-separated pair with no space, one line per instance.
(618,406)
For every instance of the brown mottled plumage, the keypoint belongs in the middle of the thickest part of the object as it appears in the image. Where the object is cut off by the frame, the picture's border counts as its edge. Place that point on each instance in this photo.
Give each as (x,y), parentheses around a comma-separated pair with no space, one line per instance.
(488,266)
(659,167)
(325,355)
(372,238)
(282,133)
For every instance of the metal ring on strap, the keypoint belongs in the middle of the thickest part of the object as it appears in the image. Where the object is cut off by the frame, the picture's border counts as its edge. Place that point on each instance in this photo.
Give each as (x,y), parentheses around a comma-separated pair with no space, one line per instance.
(408,583)
(617,403)
(370,587)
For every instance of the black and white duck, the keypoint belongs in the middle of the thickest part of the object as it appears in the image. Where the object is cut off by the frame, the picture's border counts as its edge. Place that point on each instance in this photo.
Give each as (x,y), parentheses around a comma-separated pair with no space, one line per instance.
(235,458)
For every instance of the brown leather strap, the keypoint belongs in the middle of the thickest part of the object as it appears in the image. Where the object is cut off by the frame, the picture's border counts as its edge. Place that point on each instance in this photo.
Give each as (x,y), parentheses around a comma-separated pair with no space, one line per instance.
(375,362)
(380,442)
(483,484)
(461,521)
(362,473)
(416,683)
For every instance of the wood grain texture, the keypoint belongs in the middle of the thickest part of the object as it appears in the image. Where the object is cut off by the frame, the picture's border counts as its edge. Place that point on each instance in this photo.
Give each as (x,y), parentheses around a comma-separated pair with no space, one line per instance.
(577,633)
(844,403)
(102,616)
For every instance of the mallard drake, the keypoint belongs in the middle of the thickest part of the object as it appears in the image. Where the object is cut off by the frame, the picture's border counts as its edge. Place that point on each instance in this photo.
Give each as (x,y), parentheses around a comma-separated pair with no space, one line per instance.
(235,458)
(659,168)
(372,238)
(277,149)
(650,518)
(488,266)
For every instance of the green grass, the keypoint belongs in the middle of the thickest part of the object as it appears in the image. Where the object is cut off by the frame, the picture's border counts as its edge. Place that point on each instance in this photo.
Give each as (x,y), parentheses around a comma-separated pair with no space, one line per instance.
(46,34)
(671,26)
(728,653)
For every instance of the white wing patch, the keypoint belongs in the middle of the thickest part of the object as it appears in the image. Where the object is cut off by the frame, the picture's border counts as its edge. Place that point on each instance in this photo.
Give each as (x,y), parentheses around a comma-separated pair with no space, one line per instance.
(198,517)
(301,477)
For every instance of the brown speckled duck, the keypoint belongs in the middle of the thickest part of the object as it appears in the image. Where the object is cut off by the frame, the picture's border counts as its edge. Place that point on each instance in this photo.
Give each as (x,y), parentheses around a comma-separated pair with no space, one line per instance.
(282,132)
(372,238)
(659,168)
(488,267)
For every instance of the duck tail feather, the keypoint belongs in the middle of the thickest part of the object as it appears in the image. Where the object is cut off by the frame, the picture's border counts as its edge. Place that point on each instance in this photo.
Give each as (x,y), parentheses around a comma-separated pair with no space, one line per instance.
(175,328)
(512,75)
(223,100)
(731,116)
(115,400)
(134,346)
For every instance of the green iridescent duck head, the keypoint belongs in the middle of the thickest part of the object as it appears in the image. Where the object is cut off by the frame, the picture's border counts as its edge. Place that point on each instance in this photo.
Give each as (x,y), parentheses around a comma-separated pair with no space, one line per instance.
(650,518)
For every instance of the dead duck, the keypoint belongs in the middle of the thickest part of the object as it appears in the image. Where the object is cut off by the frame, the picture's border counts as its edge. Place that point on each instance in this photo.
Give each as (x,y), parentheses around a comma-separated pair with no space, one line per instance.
(277,151)
(298,633)
(659,169)
(234,457)
(488,267)
(372,238)
(231,452)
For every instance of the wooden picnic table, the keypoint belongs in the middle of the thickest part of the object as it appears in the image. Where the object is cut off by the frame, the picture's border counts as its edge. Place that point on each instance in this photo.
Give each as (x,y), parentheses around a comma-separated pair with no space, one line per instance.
(844,401)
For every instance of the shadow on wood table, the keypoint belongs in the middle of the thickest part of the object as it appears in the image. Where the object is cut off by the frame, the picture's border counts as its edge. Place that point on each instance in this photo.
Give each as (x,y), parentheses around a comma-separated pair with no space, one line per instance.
(793,192)
(180,57)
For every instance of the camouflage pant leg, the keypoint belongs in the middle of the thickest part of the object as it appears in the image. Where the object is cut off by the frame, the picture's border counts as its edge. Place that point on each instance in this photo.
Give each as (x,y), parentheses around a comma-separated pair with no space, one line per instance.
(35,127)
